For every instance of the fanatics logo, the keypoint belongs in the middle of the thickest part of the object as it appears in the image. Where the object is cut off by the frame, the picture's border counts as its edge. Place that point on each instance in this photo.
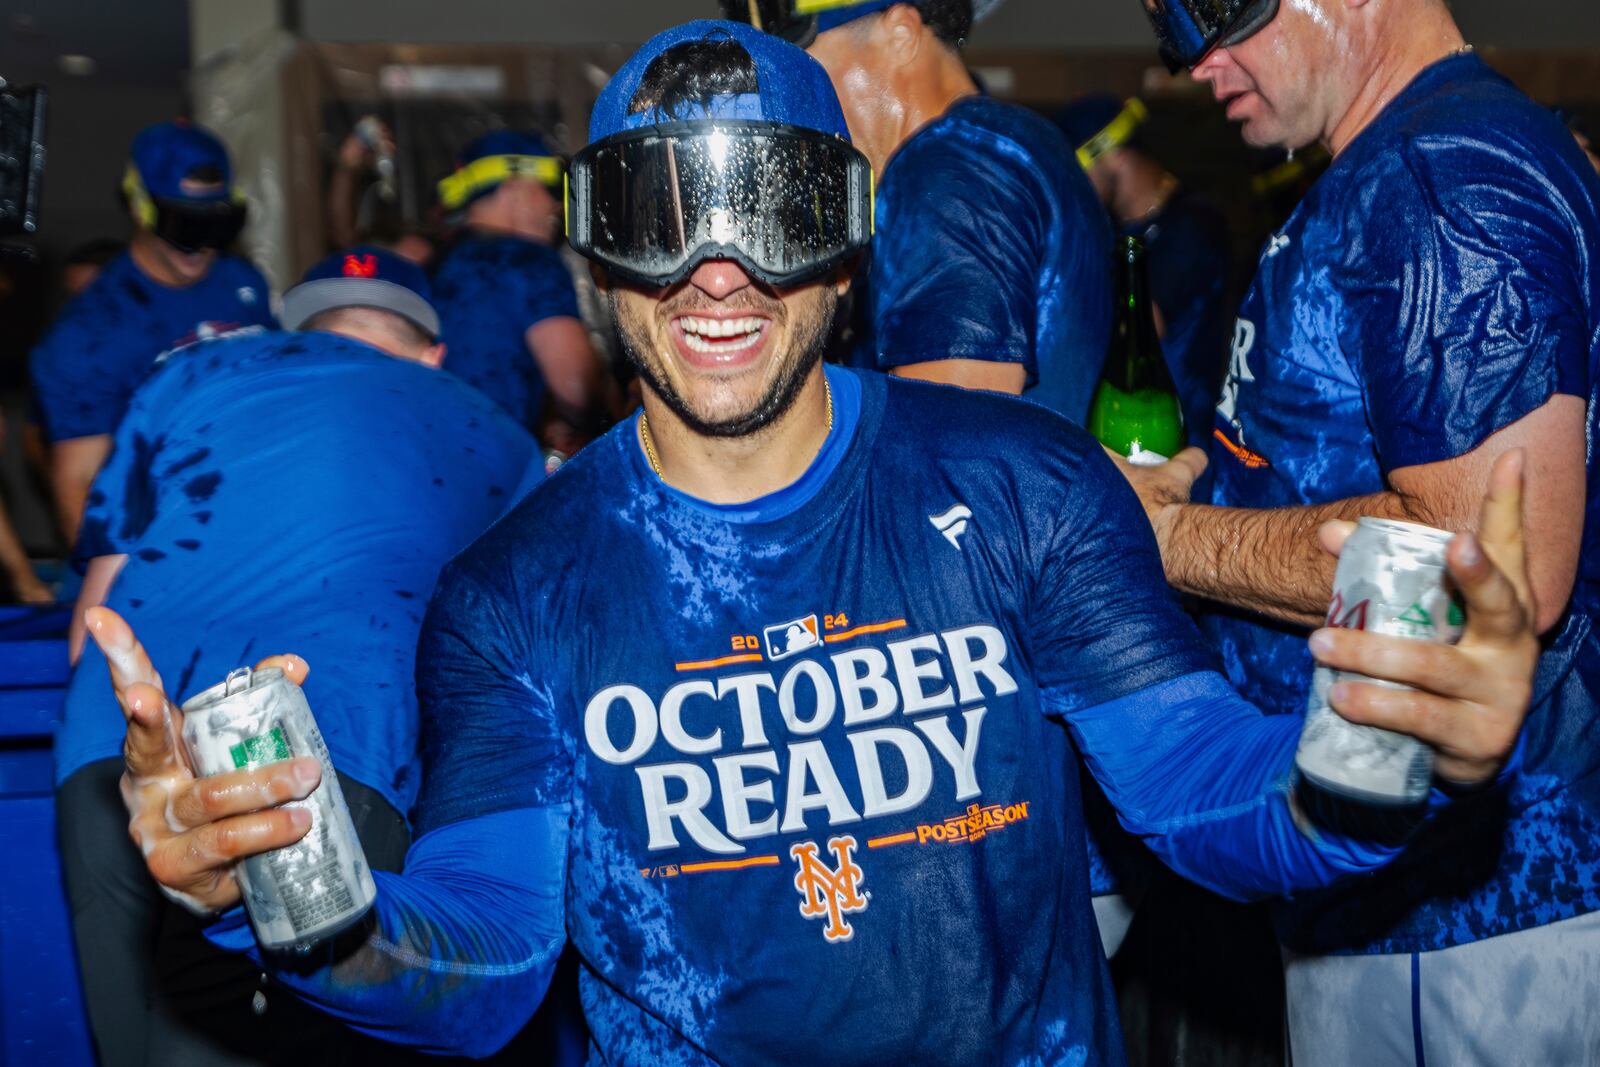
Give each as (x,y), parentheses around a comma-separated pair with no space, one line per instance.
(362,266)
(830,893)
(952,524)
(787,638)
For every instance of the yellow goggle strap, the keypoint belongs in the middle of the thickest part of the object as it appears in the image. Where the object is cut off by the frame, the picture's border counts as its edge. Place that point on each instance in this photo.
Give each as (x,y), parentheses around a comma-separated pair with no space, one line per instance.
(813,7)
(143,208)
(482,174)
(1116,133)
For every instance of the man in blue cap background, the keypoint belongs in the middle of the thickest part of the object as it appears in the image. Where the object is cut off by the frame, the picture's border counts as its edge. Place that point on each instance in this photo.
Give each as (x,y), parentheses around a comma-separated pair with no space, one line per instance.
(506,299)
(991,262)
(786,743)
(1186,239)
(310,483)
(1432,301)
(175,284)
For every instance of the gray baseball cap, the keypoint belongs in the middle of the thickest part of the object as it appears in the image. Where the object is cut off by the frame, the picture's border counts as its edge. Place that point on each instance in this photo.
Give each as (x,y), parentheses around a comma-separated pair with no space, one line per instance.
(364,276)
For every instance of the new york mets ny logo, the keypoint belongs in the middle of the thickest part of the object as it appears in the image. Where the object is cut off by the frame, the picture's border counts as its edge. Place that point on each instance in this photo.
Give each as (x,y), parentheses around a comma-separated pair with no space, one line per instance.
(828,893)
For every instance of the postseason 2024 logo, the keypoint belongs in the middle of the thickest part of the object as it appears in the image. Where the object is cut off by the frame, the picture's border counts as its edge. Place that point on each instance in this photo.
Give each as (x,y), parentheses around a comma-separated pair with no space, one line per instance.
(835,730)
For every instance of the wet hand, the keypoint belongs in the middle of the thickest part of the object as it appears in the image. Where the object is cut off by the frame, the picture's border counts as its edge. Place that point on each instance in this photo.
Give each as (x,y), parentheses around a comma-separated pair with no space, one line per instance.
(1468,700)
(191,830)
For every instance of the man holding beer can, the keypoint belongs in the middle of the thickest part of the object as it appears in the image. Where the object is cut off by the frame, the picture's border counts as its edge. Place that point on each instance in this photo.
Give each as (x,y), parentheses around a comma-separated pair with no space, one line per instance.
(1433,301)
(310,484)
(787,744)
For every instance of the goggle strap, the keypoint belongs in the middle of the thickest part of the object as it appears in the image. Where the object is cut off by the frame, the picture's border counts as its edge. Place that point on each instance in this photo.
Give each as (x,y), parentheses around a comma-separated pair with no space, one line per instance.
(144,204)
(480,175)
(1115,134)
(815,7)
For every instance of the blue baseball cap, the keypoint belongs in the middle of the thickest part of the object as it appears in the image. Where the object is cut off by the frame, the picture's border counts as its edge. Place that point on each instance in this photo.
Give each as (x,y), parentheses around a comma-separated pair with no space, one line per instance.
(1096,124)
(833,17)
(1087,116)
(363,276)
(834,13)
(504,143)
(791,87)
(168,152)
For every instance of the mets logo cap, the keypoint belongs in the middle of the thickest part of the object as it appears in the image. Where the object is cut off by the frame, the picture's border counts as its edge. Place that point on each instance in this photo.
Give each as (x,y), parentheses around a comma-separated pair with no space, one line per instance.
(363,276)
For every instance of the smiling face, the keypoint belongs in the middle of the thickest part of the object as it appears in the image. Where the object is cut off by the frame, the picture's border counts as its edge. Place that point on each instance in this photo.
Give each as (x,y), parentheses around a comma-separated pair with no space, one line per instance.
(1289,83)
(726,353)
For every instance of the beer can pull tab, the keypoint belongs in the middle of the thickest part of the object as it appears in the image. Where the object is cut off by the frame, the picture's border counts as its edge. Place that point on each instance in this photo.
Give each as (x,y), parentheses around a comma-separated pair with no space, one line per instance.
(238,674)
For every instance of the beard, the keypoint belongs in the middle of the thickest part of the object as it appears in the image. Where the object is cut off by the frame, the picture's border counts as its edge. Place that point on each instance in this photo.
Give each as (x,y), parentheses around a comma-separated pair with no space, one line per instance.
(809,336)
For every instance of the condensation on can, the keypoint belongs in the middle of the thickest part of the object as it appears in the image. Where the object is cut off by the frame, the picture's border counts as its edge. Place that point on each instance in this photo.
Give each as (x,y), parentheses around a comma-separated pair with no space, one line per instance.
(1390,580)
(310,890)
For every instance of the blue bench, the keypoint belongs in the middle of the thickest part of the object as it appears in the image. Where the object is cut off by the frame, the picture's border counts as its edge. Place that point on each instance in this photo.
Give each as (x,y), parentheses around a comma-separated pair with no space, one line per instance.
(41,1004)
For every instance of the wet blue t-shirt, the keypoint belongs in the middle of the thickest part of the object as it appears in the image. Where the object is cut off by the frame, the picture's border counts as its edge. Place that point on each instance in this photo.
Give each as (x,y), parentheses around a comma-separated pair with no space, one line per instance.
(991,245)
(809,765)
(108,339)
(291,493)
(1187,245)
(489,290)
(818,751)
(1438,283)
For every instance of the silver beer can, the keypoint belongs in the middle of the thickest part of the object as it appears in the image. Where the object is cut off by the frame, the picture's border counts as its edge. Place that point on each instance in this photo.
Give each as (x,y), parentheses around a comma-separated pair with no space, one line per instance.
(321,884)
(1390,580)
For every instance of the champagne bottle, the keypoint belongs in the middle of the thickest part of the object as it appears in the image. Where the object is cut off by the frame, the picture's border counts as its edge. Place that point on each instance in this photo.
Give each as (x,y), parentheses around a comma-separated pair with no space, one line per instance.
(1135,410)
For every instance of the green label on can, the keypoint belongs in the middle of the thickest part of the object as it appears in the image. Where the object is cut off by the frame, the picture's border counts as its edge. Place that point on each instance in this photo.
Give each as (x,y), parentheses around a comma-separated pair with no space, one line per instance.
(1417,615)
(269,747)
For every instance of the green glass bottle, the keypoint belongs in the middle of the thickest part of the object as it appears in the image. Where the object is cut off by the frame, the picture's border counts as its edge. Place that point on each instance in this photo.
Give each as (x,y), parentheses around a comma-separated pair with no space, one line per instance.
(1135,410)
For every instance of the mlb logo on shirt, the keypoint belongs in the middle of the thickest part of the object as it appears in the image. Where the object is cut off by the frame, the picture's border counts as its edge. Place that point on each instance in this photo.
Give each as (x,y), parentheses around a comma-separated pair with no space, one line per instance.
(787,638)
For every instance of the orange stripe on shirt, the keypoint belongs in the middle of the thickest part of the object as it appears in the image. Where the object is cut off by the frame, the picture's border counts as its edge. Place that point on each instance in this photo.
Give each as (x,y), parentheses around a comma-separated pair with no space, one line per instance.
(729,865)
(892,839)
(704,664)
(871,628)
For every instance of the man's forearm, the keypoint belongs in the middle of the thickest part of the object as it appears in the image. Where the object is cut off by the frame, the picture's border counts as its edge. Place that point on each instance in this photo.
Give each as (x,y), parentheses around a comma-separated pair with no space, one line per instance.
(1267,561)
(73,465)
(1203,778)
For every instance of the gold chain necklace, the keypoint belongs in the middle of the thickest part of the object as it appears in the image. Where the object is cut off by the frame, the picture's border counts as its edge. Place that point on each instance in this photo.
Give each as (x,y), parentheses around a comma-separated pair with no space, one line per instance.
(650,444)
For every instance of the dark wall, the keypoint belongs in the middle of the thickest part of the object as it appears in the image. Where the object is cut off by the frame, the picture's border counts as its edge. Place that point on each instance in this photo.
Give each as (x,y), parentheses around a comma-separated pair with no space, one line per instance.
(91,123)
(1019,23)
